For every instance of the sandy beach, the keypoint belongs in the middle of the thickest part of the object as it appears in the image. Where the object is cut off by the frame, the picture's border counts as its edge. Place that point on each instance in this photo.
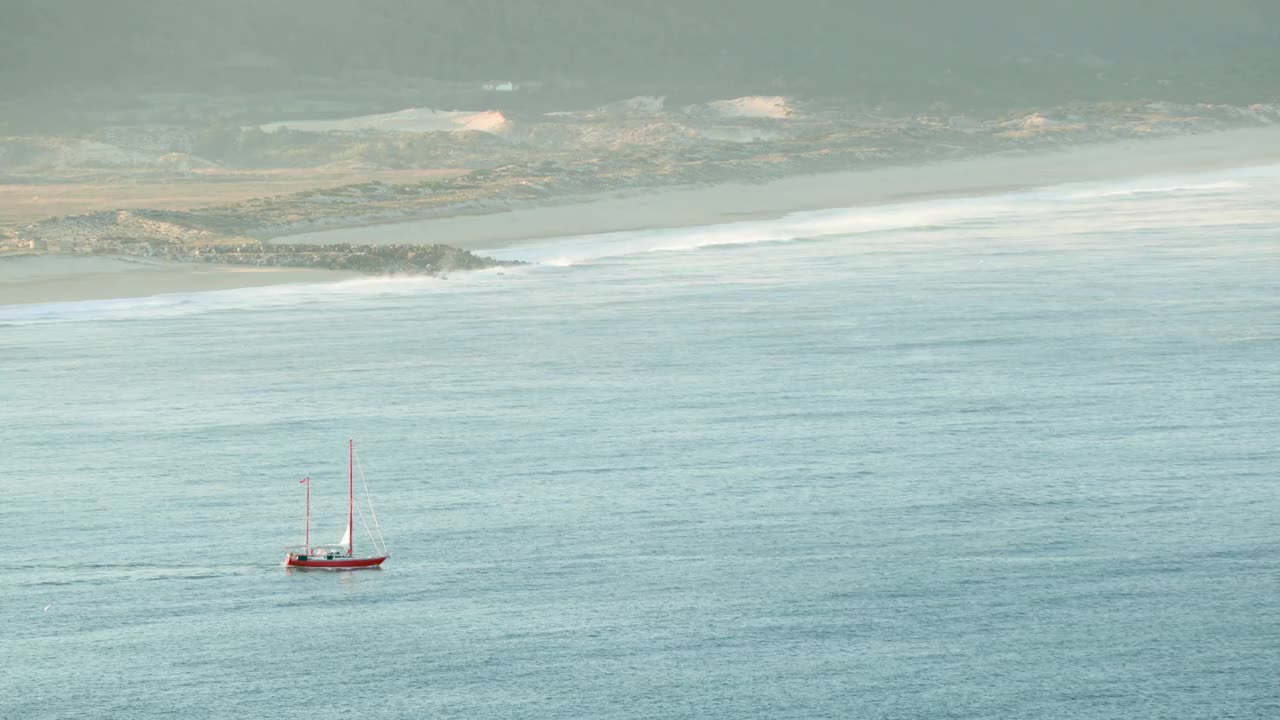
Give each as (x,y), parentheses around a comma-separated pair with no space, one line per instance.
(48,278)
(61,278)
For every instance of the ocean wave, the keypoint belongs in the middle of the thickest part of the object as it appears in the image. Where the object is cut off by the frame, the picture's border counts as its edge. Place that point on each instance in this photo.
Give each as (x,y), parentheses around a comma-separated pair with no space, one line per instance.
(1209,187)
(173,305)
(1044,206)
(797,226)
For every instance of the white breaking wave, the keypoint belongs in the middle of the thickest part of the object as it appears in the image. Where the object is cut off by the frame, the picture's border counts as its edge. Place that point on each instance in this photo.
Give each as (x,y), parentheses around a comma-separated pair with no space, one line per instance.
(807,225)
(1061,206)
(265,297)
(1164,189)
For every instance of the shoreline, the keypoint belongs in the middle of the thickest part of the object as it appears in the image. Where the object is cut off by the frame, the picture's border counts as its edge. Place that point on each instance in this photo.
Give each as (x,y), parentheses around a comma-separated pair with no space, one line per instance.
(698,205)
(32,278)
(42,278)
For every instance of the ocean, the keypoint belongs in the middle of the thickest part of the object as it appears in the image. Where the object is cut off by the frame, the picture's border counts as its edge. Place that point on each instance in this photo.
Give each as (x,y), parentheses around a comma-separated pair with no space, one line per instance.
(1011,456)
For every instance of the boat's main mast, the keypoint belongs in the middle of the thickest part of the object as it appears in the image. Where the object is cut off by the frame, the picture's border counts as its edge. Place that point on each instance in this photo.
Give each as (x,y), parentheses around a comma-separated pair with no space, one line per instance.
(351,494)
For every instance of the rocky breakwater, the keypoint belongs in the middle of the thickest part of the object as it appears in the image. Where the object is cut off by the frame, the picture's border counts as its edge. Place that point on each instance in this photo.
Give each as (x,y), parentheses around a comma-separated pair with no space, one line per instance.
(372,259)
(190,237)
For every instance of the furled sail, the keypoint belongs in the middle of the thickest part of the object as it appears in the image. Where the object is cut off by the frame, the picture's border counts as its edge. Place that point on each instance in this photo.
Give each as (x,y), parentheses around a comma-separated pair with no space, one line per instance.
(346,537)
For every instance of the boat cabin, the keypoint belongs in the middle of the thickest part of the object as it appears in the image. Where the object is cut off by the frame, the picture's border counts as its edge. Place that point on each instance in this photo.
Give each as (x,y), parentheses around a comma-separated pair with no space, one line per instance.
(318,552)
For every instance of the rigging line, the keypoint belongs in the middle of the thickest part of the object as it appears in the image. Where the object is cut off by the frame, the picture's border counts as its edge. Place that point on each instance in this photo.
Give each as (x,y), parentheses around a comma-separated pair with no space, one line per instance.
(367,531)
(369,500)
(378,542)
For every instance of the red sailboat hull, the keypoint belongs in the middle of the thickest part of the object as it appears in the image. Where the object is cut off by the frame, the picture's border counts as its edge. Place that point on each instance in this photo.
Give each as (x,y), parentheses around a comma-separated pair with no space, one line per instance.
(335,563)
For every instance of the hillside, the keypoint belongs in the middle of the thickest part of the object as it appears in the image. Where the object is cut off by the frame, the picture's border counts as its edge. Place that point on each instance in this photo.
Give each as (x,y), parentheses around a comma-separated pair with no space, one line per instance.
(980,52)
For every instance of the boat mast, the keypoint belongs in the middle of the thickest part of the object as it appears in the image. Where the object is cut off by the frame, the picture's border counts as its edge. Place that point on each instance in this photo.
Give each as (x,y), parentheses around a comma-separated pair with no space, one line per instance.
(307,532)
(351,494)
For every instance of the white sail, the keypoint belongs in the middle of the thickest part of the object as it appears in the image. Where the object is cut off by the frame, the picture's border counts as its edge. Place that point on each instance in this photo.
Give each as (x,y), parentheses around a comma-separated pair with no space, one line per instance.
(346,537)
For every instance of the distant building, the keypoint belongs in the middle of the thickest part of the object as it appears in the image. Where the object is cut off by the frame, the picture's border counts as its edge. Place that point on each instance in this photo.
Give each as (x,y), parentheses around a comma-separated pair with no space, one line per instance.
(500,86)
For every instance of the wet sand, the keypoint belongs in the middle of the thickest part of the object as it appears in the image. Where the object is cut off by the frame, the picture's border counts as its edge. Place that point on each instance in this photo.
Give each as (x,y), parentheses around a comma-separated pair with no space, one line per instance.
(61,278)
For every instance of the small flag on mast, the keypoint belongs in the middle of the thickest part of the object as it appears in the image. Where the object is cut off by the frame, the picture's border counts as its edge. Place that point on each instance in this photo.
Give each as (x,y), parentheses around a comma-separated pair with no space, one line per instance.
(303,480)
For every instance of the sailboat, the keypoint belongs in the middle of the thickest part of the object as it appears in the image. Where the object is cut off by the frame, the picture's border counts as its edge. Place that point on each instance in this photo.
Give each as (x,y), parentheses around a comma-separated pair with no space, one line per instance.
(343,555)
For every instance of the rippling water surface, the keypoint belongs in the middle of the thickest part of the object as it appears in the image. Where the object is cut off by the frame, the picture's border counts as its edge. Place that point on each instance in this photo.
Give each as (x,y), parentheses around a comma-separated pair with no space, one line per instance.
(1003,457)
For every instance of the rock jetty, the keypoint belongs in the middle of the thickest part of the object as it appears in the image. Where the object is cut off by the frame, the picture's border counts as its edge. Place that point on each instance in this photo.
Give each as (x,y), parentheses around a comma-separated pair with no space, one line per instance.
(372,259)
(187,237)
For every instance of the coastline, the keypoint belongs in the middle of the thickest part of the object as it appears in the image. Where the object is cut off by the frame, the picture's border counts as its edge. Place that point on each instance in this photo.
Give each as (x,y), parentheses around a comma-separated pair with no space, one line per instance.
(38,278)
(42,278)
(685,206)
